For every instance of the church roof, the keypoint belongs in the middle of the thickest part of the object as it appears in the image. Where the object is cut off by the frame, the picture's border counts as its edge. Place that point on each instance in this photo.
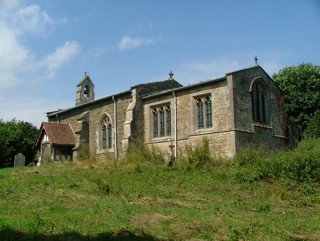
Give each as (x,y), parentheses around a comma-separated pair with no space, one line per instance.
(58,134)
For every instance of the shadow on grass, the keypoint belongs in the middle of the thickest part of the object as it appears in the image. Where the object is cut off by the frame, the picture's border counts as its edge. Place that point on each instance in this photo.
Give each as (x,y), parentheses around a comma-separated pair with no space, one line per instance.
(8,234)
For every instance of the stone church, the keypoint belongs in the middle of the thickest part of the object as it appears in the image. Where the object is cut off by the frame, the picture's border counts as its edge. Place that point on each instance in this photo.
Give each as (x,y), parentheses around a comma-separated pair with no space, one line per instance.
(242,108)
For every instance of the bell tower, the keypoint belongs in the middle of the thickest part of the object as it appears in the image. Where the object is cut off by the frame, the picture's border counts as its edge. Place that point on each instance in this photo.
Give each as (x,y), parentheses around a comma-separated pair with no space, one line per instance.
(85,90)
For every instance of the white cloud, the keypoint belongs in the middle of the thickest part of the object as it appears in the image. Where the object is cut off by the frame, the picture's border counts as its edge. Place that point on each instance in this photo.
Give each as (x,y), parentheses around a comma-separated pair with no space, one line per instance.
(53,61)
(19,64)
(128,42)
(30,19)
(7,5)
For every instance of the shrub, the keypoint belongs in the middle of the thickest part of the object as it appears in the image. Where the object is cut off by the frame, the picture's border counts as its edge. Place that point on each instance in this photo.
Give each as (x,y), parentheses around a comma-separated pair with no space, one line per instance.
(198,156)
(299,165)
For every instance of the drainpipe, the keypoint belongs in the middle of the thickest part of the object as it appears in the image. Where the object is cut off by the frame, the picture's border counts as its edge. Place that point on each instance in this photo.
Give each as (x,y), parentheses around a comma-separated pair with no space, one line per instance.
(115,127)
(175,125)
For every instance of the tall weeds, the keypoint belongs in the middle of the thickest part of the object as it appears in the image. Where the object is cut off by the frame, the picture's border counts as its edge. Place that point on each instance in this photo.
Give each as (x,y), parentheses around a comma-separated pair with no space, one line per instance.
(197,156)
(299,165)
(140,153)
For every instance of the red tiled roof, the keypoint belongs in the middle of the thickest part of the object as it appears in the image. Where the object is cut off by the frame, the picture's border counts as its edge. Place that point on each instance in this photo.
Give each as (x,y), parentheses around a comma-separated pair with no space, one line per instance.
(59,134)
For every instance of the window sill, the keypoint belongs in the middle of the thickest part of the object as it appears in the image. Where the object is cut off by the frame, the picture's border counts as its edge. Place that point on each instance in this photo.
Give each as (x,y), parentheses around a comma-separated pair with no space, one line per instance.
(103,151)
(262,125)
(203,131)
(161,139)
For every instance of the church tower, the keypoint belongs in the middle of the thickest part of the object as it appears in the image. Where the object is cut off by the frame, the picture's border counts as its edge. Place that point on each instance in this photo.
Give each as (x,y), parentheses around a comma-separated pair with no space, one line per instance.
(85,90)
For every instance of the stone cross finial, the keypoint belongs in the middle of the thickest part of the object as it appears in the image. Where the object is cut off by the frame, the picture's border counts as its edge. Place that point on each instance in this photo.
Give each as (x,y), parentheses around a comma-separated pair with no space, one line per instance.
(85,73)
(171,75)
(256,60)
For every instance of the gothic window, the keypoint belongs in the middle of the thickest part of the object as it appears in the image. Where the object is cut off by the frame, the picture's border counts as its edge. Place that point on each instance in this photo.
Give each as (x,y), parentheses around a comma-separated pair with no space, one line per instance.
(105,137)
(200,113)
(155,122)
(161,121)
(162,128)
(204,112)
(260,102)
(168,120)
(208,106)
(109,134)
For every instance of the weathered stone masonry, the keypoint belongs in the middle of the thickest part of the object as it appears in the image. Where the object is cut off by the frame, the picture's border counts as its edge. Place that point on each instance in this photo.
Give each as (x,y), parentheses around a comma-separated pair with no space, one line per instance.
(242,108)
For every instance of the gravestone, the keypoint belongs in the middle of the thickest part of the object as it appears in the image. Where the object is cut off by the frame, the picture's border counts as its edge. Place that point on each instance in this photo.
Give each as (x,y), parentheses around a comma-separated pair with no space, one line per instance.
(19,160)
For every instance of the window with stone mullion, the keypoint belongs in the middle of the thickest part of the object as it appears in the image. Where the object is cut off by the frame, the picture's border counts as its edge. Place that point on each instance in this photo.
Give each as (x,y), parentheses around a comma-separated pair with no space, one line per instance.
(155,123)
(104,137)
(208,106)
(168,120)
(200,113)
(109,132)
(162,123)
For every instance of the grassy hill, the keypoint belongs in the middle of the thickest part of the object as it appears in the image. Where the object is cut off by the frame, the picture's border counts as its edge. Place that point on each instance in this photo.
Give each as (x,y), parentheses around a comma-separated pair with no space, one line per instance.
(253,197)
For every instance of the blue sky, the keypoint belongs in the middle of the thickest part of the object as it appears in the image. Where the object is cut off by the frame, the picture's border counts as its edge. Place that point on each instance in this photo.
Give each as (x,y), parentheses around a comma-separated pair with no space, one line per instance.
(47,45)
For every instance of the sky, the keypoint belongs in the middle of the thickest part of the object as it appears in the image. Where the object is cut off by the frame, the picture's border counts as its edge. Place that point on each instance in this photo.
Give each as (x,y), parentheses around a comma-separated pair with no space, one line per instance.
(46,46)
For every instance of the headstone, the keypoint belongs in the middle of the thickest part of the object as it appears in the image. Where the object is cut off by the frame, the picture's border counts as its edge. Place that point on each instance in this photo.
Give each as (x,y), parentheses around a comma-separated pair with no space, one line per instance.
(19,160)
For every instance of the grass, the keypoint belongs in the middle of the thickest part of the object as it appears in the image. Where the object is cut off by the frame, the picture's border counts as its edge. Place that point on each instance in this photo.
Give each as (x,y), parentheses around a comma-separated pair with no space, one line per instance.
(238,199)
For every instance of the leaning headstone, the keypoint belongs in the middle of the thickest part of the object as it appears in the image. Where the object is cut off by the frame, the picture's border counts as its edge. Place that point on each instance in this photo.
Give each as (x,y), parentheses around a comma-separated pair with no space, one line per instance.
(19,160)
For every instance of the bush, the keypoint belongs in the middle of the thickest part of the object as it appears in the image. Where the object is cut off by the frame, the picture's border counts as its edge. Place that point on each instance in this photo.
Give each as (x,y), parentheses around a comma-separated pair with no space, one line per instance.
(299,165)
(198,156)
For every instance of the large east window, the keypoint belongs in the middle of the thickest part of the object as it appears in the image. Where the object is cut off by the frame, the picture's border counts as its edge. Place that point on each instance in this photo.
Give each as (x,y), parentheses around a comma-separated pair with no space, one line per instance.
(161,121)
(204,112)
(260,102)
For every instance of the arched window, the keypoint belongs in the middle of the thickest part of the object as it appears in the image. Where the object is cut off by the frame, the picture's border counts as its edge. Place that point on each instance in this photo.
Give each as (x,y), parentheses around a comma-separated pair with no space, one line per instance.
(168,116)
(260,98)
(162,128)
(203,112)
(200,113)
(208,106)
(155,122)
(109,134)
(105,133)
(161,122)
(104,137)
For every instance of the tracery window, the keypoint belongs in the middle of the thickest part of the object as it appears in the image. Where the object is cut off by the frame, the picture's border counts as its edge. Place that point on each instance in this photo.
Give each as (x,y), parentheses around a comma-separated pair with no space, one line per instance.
(260,102)
(105,137)
(204,112)
(161,121)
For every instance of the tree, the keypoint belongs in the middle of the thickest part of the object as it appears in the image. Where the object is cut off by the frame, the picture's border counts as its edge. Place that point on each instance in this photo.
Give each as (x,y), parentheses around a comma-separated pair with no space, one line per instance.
(302,93)
(15,137)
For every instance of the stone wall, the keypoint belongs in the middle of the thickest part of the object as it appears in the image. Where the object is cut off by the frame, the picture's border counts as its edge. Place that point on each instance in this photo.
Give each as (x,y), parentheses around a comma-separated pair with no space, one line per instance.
(85,120)
(221,135)
(271,135)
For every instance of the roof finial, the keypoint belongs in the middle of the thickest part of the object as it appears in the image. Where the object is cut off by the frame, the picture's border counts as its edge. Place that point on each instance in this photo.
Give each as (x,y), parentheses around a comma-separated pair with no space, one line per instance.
(85,73)
(171,75)
(256,60)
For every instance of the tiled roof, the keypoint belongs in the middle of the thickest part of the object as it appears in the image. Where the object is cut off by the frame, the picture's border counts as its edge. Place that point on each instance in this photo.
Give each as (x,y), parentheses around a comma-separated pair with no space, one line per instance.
(59,134)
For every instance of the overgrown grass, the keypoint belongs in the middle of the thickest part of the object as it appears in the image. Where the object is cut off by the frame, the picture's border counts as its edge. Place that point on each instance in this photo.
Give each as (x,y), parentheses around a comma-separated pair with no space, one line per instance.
(253,197)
